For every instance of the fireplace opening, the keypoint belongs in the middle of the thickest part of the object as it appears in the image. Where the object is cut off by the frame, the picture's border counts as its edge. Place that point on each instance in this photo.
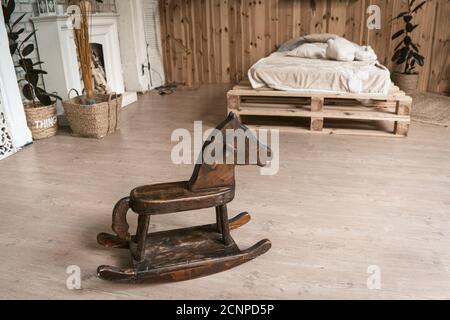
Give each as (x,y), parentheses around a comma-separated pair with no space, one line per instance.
(98,68)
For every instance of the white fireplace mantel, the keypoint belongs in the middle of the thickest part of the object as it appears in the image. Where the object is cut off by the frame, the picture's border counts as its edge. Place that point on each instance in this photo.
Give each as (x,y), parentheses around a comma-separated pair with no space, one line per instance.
(57,49)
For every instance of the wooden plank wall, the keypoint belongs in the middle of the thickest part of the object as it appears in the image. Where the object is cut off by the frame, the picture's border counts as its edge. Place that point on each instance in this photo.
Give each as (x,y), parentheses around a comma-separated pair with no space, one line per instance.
(216,41)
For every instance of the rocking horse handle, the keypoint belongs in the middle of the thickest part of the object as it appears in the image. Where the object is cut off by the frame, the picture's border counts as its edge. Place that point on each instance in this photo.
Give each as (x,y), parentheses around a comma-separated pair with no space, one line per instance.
(119,219)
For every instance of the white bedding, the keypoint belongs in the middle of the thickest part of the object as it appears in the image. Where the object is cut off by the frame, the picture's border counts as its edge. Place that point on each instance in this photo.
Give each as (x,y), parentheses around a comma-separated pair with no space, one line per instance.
(283,72)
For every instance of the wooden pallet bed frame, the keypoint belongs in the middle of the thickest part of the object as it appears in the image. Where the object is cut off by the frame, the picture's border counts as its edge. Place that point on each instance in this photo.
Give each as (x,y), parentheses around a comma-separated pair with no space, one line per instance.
(395,107)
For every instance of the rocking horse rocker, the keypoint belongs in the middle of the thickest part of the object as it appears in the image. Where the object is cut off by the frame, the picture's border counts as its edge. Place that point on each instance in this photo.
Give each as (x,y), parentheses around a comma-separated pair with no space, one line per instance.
(186,253)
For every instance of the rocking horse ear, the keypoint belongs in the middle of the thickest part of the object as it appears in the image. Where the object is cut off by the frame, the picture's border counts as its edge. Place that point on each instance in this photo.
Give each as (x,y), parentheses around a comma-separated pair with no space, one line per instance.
(231,115)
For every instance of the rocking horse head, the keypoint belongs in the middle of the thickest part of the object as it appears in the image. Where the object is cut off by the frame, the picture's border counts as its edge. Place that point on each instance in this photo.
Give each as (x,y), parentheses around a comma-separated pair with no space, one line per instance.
(230,143)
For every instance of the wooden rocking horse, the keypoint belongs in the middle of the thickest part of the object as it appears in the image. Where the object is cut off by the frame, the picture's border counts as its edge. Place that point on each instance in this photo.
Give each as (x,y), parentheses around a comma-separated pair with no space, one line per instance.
(186,253)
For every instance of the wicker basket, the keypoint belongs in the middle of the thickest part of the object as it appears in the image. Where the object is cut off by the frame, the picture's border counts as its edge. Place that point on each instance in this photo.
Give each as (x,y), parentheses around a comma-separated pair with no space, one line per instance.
(96,120)
(41,120)
(406,82)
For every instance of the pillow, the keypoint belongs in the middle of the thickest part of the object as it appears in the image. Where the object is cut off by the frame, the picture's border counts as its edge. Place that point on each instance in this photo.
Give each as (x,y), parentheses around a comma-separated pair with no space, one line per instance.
(320,37)
(313,37)
(365,53)
(341,49)
(310,50)
(291,44)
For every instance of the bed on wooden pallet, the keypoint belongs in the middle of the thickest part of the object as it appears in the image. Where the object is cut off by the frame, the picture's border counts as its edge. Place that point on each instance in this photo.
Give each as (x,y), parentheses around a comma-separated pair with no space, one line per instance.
(338,86)
(319,107)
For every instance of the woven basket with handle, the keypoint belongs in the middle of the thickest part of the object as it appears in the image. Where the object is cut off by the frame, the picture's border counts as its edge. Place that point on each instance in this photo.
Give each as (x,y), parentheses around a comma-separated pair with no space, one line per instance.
(41,120)
(95,120)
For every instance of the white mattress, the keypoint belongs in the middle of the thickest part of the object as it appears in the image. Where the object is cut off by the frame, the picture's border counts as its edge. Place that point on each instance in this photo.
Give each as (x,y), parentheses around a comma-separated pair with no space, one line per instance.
(282,72)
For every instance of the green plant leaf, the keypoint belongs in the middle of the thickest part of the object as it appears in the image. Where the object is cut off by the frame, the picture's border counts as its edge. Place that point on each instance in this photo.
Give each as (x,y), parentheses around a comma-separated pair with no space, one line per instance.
(32,78)
(399,15)
(400,61)
(414,27)
(21,30)
(418,56)
(18,20)
(408,27)
(28,49)
(8,10)
(420,5)
(407,18)
(38,71)
(13,36)
(28,91)
(400,54)
(45,100)
(398,46)
(43,96)
(398,34)
(54,95)
(11,6)
(407,40)
(13,48)
(404,53)
(397,54)
(28,36)
(419,61)
(38,63)
(26,64)
(414,47)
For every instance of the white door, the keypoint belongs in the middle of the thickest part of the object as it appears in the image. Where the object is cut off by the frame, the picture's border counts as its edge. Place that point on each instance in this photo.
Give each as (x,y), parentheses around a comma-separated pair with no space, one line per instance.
(153,42)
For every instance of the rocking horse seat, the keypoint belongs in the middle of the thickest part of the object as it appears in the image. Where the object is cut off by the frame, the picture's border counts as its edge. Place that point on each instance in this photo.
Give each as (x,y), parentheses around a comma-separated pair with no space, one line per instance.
(175,197)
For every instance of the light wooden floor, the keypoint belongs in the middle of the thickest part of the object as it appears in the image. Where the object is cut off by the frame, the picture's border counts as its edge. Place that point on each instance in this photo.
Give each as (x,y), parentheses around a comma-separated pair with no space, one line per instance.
(337,205)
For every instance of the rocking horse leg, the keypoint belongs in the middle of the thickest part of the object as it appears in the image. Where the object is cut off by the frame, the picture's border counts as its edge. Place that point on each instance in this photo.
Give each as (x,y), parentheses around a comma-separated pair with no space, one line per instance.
(141,237)
(218,221)
(225,227)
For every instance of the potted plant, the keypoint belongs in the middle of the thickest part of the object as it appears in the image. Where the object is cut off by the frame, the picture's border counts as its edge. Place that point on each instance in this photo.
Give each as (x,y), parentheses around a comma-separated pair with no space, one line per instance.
(91,114)
(406,53)
(40,107)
